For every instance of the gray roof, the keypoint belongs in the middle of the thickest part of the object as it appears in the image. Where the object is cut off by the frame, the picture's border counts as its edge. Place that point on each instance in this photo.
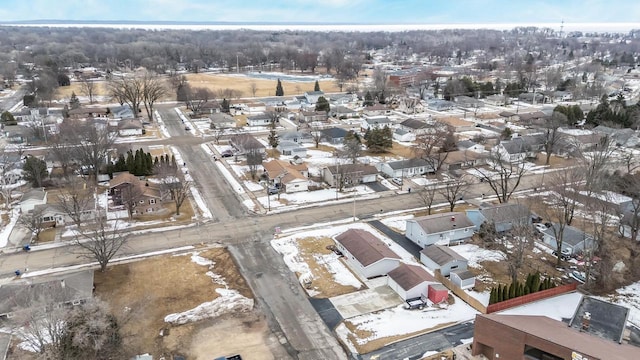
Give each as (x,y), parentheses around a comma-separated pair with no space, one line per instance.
(364,169)
(521,144)
(34,194)
(365,247)
(288,144)
(314,93)
(56,289)
(343,110)
(378,120)
(570,236)
(506,213)
(607,320)
(221,118)
(463,274)
(415,124)
(259,117)
(441,254)
(434,224)
(334,133)
(409,163)
(465,144)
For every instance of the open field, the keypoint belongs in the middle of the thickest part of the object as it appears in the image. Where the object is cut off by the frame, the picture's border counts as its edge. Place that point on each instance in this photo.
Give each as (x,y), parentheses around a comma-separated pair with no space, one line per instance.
(151,289)
(216,83)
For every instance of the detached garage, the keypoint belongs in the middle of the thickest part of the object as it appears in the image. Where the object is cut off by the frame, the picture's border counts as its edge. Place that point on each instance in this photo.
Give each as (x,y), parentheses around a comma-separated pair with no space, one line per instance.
(366,254)
(410,281)
(440,257)
(464,279)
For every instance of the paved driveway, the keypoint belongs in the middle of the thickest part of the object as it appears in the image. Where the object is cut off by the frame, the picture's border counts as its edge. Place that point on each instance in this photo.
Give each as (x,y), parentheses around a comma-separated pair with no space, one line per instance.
(366,301)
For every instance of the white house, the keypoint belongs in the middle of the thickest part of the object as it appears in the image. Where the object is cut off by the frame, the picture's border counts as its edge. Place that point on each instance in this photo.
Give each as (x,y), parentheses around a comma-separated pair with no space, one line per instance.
(573,239)
(313,96)
(407,168)
(259,120)
(410,281)
(374,122)
(32,198)
(445,228)
(130,127)
(403,135)
(415,126)
(366,254)
(443,258)
(256,108)
(291,148)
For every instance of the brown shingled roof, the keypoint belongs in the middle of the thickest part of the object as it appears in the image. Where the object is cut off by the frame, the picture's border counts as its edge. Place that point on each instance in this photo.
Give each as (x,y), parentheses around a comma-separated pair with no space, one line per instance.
(365,247)
(410,276)
(441,254)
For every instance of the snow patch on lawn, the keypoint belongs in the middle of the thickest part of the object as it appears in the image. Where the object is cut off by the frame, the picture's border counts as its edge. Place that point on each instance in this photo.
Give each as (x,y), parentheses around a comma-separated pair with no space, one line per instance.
(6,231)
(230,301)
(475,255)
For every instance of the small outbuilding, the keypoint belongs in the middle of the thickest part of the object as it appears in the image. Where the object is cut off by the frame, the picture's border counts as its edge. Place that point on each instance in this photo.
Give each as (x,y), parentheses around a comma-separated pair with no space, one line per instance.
(410,281)
(443,258)
(464,279)
(367,254)
(437,293)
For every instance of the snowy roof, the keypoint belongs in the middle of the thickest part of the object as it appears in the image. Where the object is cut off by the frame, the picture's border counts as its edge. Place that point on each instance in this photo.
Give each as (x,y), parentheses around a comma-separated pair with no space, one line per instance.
(34,194)
(463,274)
(414,124)
(607,320)
(365,247)
(570,235)
(506,213)
(433,224)
(410,276)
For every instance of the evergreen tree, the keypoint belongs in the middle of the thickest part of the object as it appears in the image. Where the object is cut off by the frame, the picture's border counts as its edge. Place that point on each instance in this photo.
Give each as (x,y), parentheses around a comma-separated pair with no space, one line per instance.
(130,162)
(173,161)
(74,103)
(156,161)
(273,138)
(505,293)
(279,89)
(512,290)
(323,104)
(368,99)
(535,284)
(379,140)
(492,296)
(225,106)
(316,87)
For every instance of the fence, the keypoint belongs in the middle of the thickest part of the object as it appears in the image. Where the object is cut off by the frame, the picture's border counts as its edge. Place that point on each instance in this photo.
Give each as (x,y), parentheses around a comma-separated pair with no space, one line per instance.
(525,299)
(473,302)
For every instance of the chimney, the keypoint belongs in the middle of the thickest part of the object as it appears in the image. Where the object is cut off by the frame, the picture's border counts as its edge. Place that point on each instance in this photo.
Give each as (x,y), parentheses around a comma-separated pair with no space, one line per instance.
(586,321)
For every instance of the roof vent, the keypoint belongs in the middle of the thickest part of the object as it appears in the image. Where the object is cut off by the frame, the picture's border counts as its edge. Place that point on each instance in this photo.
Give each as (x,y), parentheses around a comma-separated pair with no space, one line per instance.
(453,218)
(586,321)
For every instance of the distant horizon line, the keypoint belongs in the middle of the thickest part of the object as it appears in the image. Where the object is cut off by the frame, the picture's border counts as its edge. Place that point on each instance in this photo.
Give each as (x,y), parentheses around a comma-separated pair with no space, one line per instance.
(606,27)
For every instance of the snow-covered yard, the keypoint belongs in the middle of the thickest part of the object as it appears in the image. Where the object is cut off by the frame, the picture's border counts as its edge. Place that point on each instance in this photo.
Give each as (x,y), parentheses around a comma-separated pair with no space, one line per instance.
(628,296)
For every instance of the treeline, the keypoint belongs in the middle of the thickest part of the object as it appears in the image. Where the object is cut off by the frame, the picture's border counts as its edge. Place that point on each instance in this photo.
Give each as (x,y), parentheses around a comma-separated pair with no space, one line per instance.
(141,163)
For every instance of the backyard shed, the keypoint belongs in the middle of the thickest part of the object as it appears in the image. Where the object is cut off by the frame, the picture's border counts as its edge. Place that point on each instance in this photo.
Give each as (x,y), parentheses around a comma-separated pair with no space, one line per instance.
(437,293)
(464,279)
(440,257)
(410,281)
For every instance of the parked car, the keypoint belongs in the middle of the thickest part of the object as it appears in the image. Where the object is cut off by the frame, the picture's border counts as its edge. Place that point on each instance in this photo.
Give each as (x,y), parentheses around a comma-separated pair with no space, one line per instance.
(540,227)
(563,256)
(397,181)
(227,153)
(271,190)
(186,128)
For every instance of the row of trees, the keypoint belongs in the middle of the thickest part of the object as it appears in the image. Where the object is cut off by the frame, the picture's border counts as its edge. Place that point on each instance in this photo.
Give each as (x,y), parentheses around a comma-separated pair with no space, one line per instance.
(516,289)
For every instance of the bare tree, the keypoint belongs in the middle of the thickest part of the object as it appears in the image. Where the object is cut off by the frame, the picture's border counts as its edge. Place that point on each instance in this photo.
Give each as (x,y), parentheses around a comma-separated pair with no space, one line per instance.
(553,138)
(631,217)
(427,195)
(63,153)
(316,134)
(254,88)
(100,240)
(179,191)
(76,199)
(454,191)
(33,222)
(129,90)
(153,89)
(217,131)
(87,88)
(254,159)
(130,195)
(8,164)
(352,146)
(91,144)
(434,144)
(515,245)
(502,176)
(197,98)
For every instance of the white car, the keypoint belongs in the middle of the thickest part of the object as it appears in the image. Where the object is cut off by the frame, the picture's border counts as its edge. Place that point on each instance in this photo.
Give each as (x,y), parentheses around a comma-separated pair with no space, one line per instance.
(540,227)
(397,181)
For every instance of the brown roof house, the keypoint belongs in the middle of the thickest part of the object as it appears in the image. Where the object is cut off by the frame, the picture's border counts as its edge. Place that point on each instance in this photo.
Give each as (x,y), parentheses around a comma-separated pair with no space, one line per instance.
(410,281)
(366,254)
(349,174)
(149,197)
(444,229)
(291,177)
(443,258)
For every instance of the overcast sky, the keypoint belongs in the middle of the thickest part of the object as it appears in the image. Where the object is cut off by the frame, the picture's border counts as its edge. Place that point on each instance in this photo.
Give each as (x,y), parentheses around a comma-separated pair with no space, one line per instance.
(327,11)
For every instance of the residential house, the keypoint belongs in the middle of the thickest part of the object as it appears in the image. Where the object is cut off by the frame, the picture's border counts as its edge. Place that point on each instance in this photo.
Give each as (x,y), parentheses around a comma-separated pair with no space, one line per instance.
(462,159)
(446,228)
(60,289)
(519,149)
(17,134)
(376,110)
(256,108)
(343,99)
(410,281)
(562,96)
(55,215)
(370,122)
(130,127)
(415,126)
(245,143)
(222,121)
(210,107)
(343,112)
(440,105)
(503,216)
(620,137)
(458,124)
(403,135)
(443,258)
(349,174)
(88,112)
(299,137)
(291,148)
(470,146)
(313,116)
(532,98)
(407,168)
(312,96)
(574,240)
(468,103)
(462,278)
(122,112)
(410,105)
(291,177)
(581,140)
(149,197)
(367,254)
(497,100)
(334,135)
(259,120)
(32,198)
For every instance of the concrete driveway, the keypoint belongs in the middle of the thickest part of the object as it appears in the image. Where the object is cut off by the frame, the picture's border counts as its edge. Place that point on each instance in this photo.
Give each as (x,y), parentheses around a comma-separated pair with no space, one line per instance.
(366,301)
